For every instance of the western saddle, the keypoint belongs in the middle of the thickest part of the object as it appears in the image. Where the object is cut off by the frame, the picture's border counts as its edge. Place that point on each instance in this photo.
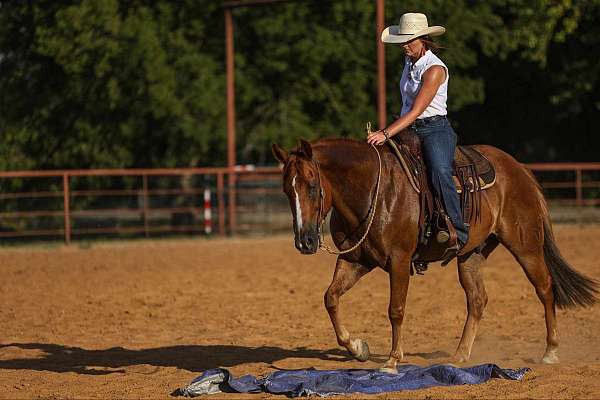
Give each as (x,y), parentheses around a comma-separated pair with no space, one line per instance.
(473,173)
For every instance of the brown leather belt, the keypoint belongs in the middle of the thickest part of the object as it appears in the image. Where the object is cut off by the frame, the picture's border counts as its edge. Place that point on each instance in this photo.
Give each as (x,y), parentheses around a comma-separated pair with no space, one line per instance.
(424,121)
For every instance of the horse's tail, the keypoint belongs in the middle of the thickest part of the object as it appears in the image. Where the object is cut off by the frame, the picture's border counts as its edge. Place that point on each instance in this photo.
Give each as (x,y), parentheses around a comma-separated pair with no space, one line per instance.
(570,287)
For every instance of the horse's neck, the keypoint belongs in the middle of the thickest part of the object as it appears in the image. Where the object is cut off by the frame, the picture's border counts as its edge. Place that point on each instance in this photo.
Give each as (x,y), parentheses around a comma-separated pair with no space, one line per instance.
(350,169)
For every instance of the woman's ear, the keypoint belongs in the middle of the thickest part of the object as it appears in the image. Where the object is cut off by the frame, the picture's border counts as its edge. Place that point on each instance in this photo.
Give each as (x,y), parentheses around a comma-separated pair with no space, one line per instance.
(306,148)
(280,154)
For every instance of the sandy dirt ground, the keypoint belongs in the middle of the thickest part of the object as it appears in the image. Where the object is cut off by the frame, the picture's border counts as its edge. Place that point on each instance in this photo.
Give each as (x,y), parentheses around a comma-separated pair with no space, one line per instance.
(140,319)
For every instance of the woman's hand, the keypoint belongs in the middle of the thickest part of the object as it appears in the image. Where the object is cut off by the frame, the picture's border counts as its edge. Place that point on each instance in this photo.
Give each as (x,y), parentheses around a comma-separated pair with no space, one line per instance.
(377,138)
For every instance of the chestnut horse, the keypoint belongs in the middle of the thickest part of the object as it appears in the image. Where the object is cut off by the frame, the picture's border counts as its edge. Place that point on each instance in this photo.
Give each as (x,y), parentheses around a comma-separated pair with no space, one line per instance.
(340,175)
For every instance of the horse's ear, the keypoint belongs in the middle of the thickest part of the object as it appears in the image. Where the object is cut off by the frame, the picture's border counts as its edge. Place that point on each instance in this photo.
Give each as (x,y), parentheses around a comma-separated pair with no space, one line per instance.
(280,154)
(306,148)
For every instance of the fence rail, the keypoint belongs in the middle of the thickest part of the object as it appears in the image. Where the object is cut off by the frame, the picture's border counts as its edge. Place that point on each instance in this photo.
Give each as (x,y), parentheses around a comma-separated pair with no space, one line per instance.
(61,181)
(68,203)
(578,184)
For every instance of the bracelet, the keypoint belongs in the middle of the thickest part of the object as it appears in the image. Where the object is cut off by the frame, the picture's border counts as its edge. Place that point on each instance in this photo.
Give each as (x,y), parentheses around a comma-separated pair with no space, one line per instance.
(385,133)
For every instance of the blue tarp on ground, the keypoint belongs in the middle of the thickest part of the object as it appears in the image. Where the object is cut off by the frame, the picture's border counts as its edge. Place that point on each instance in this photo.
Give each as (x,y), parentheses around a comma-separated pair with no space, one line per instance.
(306,382)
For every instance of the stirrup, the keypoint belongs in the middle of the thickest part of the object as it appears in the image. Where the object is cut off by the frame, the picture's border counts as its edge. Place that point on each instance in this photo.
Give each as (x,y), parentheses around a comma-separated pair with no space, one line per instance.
(453,252)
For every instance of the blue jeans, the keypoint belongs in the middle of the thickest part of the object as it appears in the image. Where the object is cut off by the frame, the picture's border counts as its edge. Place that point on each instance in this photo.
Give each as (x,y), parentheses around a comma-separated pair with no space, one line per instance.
(439,144)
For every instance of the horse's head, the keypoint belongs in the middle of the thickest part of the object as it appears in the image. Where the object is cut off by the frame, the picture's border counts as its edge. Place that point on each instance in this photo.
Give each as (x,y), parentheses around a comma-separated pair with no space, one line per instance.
(303,186)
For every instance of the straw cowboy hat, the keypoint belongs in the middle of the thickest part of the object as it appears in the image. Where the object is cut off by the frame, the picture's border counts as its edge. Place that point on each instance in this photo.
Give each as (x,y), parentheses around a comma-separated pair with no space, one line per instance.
(411,26)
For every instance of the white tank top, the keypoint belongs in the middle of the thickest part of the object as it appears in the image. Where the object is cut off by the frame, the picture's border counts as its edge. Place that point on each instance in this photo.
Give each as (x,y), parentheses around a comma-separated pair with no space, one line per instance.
(412,79)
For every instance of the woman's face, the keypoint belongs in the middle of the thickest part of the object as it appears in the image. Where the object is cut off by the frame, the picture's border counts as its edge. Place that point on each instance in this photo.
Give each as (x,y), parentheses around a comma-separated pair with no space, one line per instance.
(414,49)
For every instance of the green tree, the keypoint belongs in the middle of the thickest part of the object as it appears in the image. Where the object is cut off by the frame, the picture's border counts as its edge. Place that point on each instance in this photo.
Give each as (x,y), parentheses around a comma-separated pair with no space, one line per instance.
(141,83)
(104,84)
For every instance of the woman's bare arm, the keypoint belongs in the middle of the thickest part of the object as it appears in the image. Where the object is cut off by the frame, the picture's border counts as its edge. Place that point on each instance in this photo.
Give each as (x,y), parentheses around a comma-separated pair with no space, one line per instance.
(432,80)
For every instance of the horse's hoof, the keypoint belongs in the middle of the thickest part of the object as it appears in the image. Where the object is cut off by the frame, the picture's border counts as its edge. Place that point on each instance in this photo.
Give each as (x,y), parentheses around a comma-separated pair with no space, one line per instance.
(388,370)
(362,352)
(550,357)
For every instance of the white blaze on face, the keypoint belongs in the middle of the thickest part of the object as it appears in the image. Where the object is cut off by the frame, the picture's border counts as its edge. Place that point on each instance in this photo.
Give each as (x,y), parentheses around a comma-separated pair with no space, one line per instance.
(298,210)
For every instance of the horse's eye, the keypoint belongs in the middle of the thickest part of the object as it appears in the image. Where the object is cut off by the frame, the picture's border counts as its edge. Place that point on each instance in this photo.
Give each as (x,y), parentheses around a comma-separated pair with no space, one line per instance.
(312,191)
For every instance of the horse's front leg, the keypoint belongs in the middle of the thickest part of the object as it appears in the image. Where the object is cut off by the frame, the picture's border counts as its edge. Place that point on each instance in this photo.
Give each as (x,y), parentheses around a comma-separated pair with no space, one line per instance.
(399,271)
(345,276)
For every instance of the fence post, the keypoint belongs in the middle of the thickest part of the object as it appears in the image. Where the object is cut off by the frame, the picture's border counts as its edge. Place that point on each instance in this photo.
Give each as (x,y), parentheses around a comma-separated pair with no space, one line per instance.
(230,67)
(220,204)
(145,196)
(232,202)
(207,212)
(578,188)
(381,109)
(66,208)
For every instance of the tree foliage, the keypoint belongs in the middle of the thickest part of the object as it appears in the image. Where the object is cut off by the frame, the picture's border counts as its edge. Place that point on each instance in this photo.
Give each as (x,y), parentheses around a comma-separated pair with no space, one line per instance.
(118,83)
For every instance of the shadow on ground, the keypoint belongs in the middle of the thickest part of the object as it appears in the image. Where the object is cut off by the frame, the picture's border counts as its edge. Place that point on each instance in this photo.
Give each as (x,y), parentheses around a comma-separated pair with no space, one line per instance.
(430,356)
(193,358)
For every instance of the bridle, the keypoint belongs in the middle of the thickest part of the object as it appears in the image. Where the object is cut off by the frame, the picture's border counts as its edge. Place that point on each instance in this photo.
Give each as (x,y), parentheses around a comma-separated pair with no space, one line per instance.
(321,217)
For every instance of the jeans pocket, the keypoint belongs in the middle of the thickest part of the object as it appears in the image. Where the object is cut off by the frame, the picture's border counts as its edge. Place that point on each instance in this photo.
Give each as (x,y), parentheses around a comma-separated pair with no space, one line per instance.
(433,128)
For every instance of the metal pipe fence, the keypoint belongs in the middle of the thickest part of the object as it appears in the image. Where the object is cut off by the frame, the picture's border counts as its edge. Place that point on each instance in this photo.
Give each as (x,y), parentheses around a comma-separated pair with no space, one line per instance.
(139,202)
(79,204)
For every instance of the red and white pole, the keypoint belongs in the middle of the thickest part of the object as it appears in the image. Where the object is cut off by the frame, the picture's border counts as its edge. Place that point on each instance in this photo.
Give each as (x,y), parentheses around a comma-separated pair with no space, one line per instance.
(207,212)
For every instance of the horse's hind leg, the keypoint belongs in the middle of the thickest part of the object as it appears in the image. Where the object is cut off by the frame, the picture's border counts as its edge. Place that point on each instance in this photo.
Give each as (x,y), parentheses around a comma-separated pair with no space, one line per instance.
(472,283)
(526,245)
(345,276)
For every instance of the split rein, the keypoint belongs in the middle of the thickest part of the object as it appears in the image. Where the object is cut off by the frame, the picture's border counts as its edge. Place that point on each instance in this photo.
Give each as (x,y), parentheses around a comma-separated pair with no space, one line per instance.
(372,209)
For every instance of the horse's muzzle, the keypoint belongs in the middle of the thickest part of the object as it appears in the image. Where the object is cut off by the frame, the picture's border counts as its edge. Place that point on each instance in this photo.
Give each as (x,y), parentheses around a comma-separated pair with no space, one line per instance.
(307,241)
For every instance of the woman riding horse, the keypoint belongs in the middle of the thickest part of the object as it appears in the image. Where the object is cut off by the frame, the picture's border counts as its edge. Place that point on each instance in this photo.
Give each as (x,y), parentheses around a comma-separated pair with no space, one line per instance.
(424,90)
(375,223)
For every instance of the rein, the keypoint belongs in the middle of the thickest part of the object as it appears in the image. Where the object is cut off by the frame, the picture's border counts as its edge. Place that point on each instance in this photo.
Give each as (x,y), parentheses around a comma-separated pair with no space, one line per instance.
(372,209)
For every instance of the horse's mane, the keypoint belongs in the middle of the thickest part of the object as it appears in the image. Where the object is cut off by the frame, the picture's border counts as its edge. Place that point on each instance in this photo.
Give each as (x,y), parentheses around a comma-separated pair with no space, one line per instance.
(343,152)
(338,152)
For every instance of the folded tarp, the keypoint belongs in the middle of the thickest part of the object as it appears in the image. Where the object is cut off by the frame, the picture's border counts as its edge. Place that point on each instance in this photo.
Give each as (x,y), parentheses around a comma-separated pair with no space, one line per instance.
(306,382)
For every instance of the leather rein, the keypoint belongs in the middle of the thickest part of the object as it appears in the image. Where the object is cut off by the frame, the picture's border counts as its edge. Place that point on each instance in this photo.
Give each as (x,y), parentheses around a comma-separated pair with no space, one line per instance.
(321,217)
